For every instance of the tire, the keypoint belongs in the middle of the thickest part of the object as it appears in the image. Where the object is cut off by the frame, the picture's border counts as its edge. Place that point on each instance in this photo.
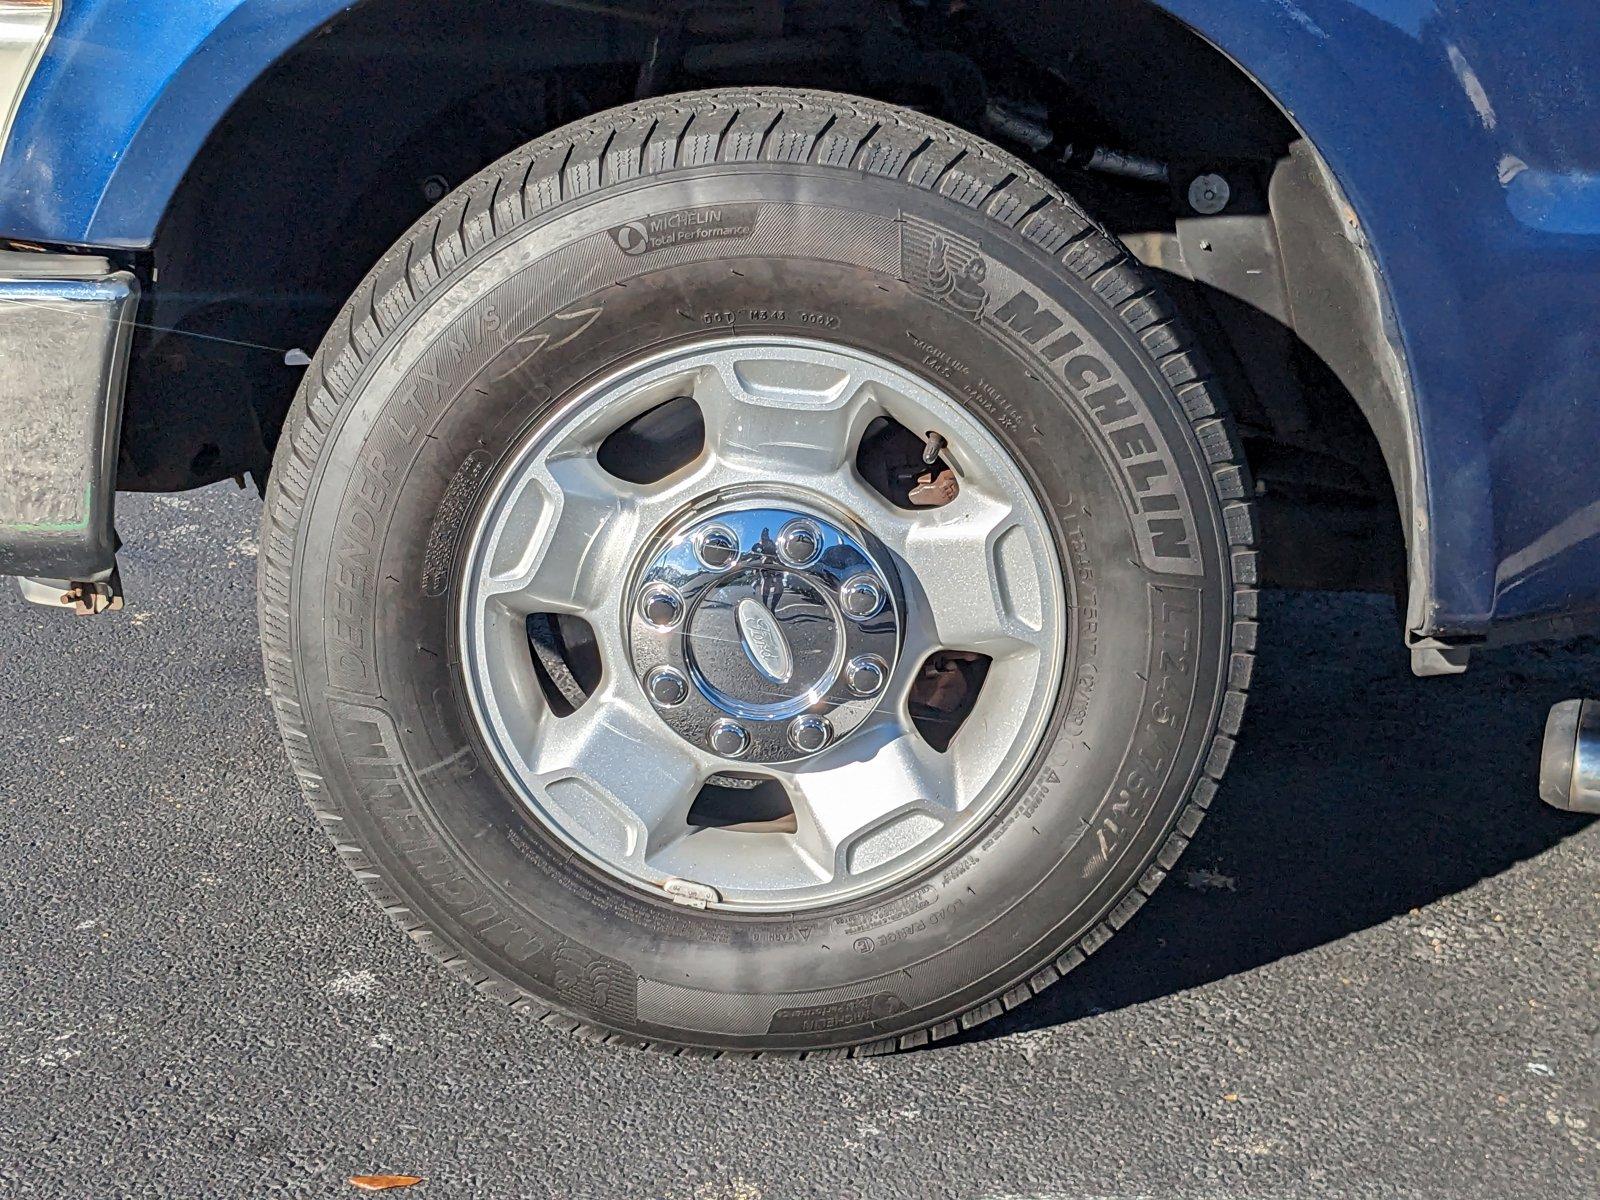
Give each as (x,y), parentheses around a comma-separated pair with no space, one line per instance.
(822,210)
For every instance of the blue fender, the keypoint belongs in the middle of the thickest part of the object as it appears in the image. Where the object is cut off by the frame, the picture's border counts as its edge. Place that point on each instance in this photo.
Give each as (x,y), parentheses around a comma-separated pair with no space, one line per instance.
(1465,137)
(122,102)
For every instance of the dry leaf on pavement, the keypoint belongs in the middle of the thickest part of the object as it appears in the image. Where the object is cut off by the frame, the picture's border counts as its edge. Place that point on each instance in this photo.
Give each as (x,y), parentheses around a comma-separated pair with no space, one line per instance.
(382,1183)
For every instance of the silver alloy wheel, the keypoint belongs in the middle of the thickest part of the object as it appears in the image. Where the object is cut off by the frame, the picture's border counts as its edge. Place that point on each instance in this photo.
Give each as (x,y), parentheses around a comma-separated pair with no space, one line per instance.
(872,799)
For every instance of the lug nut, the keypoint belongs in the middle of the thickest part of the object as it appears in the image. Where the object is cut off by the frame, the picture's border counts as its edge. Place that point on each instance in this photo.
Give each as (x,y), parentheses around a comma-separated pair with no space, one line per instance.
(716,547)
(808,733)
(667,687)
(799,543)
(661,606)
(866,674)
(729,739)
(861,597)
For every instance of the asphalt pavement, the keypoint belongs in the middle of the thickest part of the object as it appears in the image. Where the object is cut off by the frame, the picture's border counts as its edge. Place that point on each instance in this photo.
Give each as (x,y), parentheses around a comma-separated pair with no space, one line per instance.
(1376,972)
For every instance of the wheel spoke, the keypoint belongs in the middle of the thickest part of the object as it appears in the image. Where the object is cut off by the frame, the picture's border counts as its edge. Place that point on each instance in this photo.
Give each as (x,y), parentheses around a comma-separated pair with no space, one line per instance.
(884,771)
(555,548)
(642,774)
(971,570)
(784,418)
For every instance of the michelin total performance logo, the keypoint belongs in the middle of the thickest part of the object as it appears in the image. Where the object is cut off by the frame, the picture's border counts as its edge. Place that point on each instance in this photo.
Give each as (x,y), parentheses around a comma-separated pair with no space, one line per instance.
(683,227)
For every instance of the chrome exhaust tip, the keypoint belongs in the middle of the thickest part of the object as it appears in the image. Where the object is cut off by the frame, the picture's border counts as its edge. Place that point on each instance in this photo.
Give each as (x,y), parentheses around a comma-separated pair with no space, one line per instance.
(1569,767)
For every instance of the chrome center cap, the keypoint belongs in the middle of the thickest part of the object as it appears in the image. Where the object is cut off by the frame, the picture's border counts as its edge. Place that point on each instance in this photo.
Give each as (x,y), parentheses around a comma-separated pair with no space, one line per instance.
(762,629)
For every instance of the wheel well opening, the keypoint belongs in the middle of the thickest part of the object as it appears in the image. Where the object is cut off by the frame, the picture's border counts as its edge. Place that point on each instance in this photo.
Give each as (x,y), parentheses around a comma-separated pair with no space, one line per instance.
(357,132)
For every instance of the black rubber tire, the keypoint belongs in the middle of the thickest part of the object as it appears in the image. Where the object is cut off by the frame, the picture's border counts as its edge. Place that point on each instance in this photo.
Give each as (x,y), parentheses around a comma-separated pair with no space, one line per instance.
(825,209)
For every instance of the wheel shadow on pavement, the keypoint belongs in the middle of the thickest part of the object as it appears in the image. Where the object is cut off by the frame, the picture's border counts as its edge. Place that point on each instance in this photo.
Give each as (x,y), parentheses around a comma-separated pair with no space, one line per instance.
(1359,792)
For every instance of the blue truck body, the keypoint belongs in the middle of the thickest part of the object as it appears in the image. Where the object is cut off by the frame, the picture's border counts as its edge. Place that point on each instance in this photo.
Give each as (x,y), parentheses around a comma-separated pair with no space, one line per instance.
(1465,135)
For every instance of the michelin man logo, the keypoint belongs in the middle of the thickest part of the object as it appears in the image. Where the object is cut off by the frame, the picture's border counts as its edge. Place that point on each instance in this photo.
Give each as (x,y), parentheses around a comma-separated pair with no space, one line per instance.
(943,266)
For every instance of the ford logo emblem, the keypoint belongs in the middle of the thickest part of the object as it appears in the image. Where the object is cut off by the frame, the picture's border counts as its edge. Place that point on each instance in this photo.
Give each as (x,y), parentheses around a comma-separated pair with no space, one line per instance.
(763,640)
